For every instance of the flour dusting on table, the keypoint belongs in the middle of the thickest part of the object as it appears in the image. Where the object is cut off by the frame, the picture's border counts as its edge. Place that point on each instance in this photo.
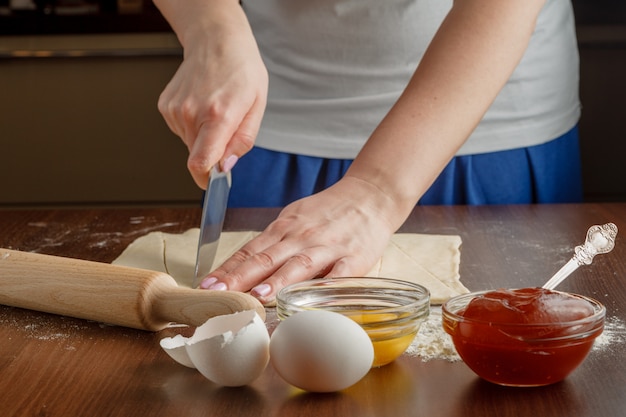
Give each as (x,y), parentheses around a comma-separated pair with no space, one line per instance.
(44,327)
(614,334)
(432,342)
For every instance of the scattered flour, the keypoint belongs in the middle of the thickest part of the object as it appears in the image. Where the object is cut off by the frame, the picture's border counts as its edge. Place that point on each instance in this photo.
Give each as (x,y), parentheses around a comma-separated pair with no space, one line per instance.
(62,330)
(65,332)
(61,234)
(38,326)
(432,342)
(614,334)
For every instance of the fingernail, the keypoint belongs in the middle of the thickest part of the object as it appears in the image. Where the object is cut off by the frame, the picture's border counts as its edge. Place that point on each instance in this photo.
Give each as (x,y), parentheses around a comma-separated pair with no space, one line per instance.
(207,282)
(261,290)
(230,162)
(220,286)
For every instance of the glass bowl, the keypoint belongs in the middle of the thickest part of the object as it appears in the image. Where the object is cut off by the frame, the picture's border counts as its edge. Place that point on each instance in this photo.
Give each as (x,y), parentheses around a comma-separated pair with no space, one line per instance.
(521,354)
(390,311)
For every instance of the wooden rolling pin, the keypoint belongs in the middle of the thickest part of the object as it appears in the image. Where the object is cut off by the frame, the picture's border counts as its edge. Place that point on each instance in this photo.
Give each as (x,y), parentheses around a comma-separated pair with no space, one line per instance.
(112,294)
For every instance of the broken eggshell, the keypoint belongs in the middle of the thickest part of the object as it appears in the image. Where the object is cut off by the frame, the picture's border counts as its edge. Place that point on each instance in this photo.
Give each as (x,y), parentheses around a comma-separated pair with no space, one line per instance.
(175,348)
(231,350)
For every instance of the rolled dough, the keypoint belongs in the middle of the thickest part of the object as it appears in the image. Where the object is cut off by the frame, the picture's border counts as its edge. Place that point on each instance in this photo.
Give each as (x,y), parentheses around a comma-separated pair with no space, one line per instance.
(428,260)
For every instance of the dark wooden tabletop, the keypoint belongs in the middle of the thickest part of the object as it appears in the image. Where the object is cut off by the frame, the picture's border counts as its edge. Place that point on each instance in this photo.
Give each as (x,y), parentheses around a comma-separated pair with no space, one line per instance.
(60,366)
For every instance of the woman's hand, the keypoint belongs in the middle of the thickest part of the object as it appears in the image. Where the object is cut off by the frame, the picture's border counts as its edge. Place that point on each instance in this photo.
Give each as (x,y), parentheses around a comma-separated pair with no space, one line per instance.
(216,99)
(341,231)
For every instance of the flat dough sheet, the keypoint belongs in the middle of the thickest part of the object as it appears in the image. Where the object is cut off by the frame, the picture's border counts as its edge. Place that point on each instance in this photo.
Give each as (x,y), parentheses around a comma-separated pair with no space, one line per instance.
(428,260)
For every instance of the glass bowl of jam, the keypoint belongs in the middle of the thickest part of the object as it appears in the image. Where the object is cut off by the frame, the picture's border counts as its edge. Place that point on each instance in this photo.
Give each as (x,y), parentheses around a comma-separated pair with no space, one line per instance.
(523,337)
(390,311)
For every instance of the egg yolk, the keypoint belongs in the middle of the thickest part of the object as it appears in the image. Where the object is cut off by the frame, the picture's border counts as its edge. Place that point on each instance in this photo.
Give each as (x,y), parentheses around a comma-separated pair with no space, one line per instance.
(389,342)
(386,351)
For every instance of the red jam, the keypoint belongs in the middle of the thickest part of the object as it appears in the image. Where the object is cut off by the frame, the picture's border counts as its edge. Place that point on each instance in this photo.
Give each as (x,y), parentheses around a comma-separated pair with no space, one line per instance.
(524,337)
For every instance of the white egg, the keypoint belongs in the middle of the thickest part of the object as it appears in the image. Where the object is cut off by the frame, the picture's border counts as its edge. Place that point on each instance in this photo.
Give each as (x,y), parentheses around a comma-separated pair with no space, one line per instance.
(230,350)
(321,351)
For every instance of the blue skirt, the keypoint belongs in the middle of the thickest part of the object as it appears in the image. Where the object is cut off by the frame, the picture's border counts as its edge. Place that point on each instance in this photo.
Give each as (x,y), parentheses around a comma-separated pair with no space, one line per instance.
(548,173)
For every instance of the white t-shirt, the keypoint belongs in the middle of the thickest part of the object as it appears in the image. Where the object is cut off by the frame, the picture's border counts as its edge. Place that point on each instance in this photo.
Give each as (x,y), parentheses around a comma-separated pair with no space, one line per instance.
(337,66)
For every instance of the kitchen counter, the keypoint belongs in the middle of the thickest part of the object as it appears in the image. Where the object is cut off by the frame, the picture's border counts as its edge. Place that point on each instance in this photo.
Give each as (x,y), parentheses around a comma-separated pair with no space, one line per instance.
(60,366)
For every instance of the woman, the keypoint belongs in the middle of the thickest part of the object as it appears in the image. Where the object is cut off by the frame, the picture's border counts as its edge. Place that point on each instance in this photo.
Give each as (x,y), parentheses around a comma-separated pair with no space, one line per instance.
(360,109)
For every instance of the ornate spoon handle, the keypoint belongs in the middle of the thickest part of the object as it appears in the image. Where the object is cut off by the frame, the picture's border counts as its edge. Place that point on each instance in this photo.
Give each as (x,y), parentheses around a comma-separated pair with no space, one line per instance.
(600,239)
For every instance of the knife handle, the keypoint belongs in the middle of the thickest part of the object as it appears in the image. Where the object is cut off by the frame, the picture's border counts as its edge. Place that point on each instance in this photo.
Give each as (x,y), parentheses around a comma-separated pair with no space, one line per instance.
(112,294)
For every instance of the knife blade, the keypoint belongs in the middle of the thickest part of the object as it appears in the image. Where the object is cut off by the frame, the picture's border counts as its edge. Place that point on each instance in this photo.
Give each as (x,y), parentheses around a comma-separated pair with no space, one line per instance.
(213,212)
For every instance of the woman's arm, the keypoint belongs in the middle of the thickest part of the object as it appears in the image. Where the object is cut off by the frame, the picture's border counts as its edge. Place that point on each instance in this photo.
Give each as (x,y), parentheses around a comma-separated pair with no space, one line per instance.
(342,231)
(475,51)
(216,99)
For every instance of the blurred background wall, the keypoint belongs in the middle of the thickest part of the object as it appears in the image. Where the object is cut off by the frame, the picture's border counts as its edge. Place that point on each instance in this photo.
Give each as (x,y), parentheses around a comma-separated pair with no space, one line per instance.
(80,79)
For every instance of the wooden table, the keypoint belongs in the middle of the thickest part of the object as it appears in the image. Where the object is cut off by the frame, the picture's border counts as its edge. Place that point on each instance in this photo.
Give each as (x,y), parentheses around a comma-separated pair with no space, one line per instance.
(59,366)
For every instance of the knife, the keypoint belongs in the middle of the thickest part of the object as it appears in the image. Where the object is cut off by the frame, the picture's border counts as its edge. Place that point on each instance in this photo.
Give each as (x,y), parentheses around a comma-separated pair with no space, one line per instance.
(213,212)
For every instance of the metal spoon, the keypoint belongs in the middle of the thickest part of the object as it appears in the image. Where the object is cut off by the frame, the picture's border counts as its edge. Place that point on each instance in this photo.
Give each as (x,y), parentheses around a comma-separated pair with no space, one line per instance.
(600,239)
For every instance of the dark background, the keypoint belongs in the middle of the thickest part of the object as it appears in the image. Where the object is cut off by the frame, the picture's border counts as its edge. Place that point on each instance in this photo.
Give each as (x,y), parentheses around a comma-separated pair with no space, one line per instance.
(81,126)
